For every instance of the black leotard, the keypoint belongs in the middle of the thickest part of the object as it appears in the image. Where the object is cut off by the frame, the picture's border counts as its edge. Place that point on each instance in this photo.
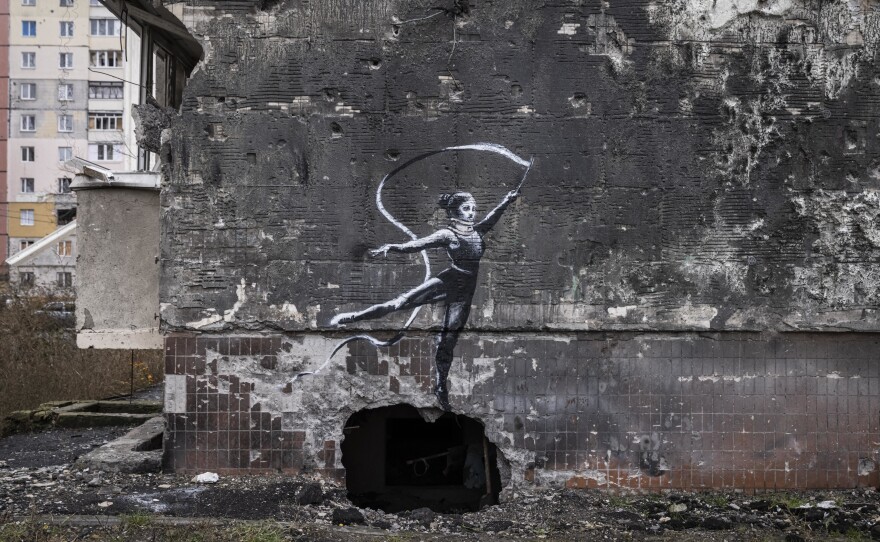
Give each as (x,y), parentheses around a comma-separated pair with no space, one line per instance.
(466,251)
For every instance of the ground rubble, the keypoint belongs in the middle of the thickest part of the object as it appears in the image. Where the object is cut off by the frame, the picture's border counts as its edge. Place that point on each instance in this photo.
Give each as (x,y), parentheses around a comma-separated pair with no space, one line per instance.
(305,502)
(42,482)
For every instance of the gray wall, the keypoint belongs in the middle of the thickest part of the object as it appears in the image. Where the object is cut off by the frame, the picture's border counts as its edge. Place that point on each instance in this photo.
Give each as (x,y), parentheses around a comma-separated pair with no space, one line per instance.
(687,176)
(705,181)
(117,282)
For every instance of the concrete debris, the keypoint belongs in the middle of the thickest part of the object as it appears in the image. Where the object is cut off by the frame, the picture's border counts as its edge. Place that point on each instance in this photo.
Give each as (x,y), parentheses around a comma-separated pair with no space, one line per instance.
(207,478)
(347,516)
(310,493)
(139,450)
(527,513)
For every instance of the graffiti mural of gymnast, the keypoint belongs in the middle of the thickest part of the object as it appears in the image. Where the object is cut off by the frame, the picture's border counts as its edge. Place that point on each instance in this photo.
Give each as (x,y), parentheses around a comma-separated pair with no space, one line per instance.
(454,286)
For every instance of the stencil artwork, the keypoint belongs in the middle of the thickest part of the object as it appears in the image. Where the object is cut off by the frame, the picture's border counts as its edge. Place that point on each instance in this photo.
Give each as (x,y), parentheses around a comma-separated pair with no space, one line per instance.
(454,287)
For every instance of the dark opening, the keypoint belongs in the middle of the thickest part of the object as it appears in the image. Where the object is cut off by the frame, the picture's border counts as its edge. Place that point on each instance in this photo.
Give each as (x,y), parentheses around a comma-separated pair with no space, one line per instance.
(395,460)
(66,216)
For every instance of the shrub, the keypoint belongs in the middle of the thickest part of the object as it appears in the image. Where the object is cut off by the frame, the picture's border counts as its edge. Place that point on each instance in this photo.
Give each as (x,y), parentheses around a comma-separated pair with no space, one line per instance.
(40,362)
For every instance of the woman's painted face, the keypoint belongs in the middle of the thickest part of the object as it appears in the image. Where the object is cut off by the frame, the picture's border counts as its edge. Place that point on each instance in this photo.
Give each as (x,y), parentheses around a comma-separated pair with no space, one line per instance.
(467,211)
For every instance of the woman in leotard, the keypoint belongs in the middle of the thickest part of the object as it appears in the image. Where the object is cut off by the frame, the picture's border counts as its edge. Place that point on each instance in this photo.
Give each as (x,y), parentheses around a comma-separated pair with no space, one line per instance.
(463,241)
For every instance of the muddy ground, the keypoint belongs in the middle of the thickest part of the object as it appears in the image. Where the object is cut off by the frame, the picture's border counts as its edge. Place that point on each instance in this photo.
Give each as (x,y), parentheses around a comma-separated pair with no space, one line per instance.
(42,497)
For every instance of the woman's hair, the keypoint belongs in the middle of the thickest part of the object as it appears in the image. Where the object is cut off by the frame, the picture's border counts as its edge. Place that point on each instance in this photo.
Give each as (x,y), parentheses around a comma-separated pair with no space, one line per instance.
(451,202)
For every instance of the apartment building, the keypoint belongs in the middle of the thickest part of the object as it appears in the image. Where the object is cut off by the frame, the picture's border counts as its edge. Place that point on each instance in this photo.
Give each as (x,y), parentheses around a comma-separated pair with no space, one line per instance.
(4,135)
(69,61)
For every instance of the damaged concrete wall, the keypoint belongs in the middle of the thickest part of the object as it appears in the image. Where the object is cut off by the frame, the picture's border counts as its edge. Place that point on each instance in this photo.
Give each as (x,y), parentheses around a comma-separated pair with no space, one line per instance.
(117,267)
(682,153)
(698,166)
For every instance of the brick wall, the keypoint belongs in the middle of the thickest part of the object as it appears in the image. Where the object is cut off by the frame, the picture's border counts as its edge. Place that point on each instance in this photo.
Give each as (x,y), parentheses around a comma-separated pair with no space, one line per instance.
(648,411)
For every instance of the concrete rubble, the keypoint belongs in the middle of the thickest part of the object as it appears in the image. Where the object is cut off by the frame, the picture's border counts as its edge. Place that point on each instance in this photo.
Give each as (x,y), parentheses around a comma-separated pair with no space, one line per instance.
(72,491)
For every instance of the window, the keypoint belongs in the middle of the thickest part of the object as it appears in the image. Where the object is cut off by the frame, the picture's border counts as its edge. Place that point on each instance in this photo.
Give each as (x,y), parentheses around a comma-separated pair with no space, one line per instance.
(23,245)
(105,91)
(26,278)
(65,92)
(29,29)
(105,121)
(26,217)
(64,185)
(65,123)
(106,59)
(65,279)
(28,123)
(27,185)
(65,154)
(27,91)
(27,154)
(29,60)
(95,3)
(65,3)
(65,216)
(104,27)
(66,29)
(65,60)
(104,152)
(65,248)
(29,2)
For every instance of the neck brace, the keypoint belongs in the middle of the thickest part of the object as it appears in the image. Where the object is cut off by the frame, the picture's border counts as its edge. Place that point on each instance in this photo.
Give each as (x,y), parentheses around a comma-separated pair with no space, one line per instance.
(462,226)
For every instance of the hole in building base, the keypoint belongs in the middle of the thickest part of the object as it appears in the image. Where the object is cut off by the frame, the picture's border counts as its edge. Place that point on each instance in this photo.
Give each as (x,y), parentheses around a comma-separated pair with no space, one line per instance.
(395,460)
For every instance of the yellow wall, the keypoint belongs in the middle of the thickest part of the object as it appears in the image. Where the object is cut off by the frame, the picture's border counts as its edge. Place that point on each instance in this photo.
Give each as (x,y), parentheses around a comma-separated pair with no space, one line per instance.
(44,220)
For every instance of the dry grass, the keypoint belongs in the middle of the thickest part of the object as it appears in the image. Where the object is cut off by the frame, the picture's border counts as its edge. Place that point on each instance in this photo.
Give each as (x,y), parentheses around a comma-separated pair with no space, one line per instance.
(39,360)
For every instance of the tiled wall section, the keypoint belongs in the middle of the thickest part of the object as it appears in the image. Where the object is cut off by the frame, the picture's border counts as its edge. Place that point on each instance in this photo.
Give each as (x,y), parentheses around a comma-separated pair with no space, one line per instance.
(650,411)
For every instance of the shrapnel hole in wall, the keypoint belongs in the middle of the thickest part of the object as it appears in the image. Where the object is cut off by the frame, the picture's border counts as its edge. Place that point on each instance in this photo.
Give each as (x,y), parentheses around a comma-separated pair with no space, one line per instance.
(395,460)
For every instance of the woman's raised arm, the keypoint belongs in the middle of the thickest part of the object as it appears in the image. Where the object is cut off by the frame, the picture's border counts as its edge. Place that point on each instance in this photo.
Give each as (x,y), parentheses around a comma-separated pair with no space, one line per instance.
(439,238)
(495,214)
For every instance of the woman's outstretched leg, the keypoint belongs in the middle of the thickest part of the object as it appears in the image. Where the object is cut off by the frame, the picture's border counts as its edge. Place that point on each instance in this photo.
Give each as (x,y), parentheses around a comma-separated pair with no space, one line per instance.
(454,321)
(429,291)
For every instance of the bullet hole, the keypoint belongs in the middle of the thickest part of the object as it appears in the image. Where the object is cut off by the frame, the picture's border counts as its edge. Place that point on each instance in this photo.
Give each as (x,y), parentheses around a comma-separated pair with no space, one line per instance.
(395,30)
(252,158)
(329,94)
(516,91)
(395,460)
(221,99)
(266,5)
(578,100)
(566,165)
(215,132)
(335,130)
(851,139)
(268,362)
(460,7)
(375,63)
(866,466)
(392,155)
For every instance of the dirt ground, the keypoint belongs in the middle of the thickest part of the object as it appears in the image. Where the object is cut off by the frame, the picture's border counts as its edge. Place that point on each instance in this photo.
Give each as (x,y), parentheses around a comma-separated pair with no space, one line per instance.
(42,497)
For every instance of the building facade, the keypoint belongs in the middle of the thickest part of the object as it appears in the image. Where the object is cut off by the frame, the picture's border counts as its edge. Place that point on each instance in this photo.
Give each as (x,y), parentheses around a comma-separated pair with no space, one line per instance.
(68,63)
(48,264)
(4,134)
(636,243)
